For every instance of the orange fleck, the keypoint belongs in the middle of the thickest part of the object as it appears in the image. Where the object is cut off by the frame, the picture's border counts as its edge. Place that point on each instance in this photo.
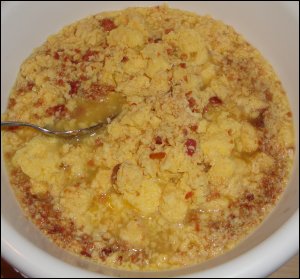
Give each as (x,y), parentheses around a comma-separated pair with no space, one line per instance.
(91,163)
(168,30)
(189,195)
(158,155)
(194,128)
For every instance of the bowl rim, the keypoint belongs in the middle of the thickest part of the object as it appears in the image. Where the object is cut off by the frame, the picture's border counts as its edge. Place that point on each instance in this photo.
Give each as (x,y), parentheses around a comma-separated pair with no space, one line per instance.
(258,267)
(13,244)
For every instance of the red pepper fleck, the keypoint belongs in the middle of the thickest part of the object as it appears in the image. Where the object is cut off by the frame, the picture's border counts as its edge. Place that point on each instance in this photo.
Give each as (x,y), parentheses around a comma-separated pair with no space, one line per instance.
(231,216)
(120,259)
(56,55)
(58,111)
(168,30)
(83,78)
(114,174)
(74,61)
(215,101)
(61,73)
(197,227)
(11,103)
(75,84)
(268,95)
(154,40)
(105,252)
(85,253)
(89,54)
(182,65)
(56,229)
(158,140)
(30,85)
(190,146)
(249,197)
(98,91)
(194,128)
(258,122)
(158,155)
(189,195)
(170,51)
(60,82)
(192,102)
(124,59)
(289,114)
(107,24)
(212,196)
(77,50)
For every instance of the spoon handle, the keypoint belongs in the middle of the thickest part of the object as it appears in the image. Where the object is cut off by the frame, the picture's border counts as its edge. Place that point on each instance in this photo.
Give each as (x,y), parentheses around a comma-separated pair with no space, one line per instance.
(14,124)
(68,133)
(23,124)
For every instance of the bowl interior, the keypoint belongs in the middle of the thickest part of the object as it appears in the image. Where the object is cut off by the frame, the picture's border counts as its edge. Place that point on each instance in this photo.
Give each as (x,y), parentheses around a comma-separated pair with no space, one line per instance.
(26,25)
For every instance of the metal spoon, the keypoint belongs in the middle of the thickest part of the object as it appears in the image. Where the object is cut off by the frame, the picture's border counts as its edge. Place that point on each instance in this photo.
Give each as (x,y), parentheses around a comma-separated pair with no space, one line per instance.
(69,133)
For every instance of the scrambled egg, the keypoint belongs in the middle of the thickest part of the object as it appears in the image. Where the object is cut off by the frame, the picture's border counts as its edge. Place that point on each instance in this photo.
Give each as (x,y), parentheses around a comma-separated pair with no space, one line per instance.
(196,158)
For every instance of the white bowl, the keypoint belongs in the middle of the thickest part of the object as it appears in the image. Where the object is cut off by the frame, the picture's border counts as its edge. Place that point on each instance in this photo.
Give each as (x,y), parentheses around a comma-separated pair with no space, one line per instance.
(272,27)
